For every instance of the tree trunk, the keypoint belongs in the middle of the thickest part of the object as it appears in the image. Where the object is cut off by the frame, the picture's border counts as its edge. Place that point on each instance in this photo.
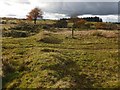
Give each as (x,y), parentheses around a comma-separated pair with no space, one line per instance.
(35,21)
(72,32)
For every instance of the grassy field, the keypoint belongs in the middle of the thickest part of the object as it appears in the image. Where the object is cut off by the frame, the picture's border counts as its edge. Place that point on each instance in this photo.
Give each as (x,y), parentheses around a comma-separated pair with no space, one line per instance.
(90,60)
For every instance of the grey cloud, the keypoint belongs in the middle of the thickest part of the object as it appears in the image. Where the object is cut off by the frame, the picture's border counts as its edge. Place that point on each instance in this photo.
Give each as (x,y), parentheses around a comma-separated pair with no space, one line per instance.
(11,15)
(6,3)
(9,2)
(81,8)
(24,2)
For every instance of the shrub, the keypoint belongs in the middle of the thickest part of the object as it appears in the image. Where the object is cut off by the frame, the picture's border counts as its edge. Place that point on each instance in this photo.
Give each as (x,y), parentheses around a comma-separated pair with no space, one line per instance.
(26,27)
(19,34)
(106,26)
(61,24)
(88,26)
(100,25)
(15,33)
(111,26)
(79,24)
(47,26)
(13,23)
(22,30)
(3,22)
(52,40)
(6,34)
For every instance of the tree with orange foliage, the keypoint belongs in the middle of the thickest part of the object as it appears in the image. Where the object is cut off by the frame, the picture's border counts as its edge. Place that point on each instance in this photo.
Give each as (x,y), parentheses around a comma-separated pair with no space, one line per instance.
(34,14)
(80,23)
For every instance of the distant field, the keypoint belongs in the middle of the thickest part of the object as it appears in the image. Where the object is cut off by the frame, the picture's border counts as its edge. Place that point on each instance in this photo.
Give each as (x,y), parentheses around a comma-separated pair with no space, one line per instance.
(90,60)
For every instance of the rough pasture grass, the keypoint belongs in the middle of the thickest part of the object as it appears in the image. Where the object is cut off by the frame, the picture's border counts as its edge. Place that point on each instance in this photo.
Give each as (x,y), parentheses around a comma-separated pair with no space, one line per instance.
(88,61)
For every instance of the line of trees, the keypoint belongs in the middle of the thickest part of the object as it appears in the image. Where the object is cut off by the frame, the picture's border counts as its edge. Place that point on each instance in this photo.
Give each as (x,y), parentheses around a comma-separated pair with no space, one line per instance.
(93,19)
(89,19)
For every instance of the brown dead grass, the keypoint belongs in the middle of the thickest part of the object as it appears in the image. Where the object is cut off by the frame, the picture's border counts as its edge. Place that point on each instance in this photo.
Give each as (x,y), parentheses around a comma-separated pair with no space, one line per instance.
(102,33)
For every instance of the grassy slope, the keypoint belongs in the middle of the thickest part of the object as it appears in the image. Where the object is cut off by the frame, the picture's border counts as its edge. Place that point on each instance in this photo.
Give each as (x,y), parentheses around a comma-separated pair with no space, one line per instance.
(88,61)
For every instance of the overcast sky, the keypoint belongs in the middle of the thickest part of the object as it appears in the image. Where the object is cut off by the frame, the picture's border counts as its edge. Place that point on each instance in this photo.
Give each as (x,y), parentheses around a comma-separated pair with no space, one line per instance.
(55,9)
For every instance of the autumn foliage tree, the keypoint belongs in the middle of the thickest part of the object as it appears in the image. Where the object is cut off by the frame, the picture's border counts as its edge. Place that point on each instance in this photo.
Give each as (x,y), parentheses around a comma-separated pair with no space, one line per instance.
(34,14)
(80,23)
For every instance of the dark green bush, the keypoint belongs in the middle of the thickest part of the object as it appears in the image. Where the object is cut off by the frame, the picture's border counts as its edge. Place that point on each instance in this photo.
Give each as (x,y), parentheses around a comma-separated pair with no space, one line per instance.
(19,34)
(22,30)
(13,23)
(6,33)
(51,40)
(46,26)
(26,27)
(61,24)
(3,22)
(49,50)
(15,34)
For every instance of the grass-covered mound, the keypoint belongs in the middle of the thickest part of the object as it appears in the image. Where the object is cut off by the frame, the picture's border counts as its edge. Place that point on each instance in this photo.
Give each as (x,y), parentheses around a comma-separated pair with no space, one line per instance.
(90,61)
(21,30)
(52,39)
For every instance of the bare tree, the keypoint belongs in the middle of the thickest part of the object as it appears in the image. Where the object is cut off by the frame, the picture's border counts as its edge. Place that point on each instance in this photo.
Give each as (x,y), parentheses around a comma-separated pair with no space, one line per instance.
(73,20)
(34,14)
